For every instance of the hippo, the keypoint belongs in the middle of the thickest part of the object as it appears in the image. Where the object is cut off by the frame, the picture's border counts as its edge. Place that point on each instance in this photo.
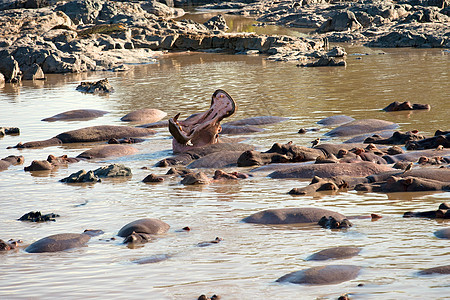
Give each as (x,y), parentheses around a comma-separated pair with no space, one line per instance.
(211,161)
(51,163)
(443,212)
(397,138)
(331,274)
(209,243)
(278,153)
(202,129)
(77,114)
(441,139)
(104,151)
(335,120)
(307,170)
(195,179)
(9,131)
(358,127)
(144,115)
(152,259)
(407,184)
(142,230)
(231,129)
(11,160)
(335,253)
(443,233)
(262,120)
(435,270)
(90,134)
(61,242)
(291,216)
(37,216)
(397,106)
(414,156)
(329,184)
(6,246)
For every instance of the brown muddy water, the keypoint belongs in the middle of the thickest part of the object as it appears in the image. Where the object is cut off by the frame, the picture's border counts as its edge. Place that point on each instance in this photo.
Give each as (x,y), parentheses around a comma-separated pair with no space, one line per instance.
(251,257)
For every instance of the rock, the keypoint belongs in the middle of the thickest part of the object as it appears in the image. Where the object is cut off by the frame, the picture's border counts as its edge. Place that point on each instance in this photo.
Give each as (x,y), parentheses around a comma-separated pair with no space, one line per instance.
(36,216)
(335,253)
(144,115)
(77,114)
(113,170)
(325,61)
(341,21)
(98,87)
(34,72)
(291,216)
(9,67)
(217,23)
(81,177)
(146,225)
(58,242)
(331,274)
(9,131)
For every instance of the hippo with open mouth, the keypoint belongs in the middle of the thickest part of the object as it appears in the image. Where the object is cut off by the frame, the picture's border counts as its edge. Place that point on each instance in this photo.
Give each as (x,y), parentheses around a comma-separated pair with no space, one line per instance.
(203,128)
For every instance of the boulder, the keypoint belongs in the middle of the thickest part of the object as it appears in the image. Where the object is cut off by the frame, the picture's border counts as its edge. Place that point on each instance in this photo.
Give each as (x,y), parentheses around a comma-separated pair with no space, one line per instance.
(291,216)
(9,67)
(98,87)
(341,21)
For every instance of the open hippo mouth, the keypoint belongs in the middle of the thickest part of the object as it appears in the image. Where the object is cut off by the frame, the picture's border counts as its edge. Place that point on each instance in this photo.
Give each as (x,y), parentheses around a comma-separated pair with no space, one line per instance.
(203,128)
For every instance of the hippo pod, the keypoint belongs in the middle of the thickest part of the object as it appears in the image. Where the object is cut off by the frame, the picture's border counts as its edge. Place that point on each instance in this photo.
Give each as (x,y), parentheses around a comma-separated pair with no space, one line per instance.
(142,230)
(203,128)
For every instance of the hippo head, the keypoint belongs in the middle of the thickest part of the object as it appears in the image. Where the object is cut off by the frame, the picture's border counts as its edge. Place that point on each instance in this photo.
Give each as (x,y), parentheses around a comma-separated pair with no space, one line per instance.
(202,129)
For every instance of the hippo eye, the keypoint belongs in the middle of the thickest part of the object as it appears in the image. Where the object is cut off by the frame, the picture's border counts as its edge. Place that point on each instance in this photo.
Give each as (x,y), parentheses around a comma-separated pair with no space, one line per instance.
(221,96)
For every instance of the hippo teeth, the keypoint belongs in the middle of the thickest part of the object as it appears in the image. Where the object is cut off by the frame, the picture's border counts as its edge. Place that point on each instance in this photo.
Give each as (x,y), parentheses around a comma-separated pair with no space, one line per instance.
(176,131)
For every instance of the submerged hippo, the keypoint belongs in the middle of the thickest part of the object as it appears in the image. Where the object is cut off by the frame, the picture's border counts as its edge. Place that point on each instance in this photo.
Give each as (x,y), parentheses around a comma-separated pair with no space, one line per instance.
(77,114)
(142,230)
(62,241)
(90,134)
(331,274)
(202,129)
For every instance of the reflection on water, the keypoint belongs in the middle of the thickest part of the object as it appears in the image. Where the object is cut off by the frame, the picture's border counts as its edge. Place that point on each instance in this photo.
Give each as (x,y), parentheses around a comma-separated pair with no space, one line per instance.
(249,259)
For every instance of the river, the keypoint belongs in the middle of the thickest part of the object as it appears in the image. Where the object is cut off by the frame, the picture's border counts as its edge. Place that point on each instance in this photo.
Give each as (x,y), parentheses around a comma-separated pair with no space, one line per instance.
(250,257)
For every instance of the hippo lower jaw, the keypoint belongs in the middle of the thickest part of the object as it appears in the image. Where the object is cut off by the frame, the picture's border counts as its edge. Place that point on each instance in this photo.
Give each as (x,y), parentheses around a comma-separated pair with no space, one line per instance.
(203,129)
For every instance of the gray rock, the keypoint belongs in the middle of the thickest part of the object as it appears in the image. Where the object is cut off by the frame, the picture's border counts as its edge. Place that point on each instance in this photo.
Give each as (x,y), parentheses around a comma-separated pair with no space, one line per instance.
(9,67)
(217,23)
(113,170)
(33,73)
(81,177)
(342,21)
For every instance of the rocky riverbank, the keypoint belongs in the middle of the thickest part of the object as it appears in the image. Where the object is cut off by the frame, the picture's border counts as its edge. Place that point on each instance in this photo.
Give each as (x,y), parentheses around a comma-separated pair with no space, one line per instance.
(94,35)
(374,23)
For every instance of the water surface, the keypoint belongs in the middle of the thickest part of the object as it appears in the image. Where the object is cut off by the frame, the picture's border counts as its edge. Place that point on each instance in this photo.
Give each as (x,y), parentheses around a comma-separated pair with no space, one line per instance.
(251,257)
